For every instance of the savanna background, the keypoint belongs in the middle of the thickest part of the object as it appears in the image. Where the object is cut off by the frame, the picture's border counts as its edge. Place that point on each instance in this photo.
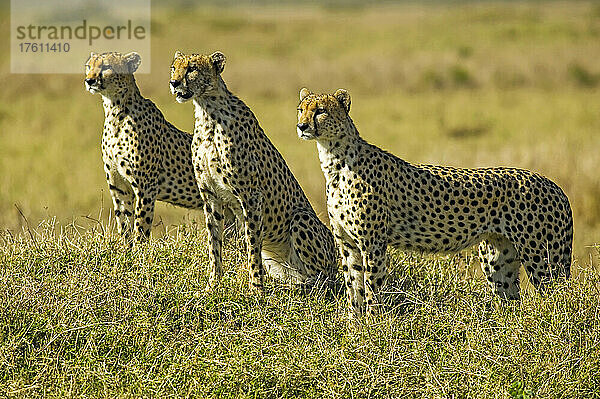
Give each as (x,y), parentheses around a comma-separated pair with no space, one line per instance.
(466,84)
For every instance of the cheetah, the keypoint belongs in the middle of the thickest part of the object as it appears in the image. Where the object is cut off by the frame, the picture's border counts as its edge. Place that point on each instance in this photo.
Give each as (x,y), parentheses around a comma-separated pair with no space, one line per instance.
(375,199)
(237,165)
(145,157)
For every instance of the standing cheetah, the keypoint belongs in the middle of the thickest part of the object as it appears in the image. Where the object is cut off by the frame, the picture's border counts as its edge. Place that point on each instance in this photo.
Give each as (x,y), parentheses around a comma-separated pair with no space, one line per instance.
(237,165)
(145,157)
(375,199)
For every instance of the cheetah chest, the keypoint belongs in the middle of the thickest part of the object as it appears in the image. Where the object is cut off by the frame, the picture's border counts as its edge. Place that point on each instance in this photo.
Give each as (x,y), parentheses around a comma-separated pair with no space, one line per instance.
(118,149)
(209,169)
(342,197)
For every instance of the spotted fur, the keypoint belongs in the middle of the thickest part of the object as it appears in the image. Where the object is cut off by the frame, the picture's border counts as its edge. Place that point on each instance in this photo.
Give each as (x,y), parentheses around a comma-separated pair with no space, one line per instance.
(375,199)
(236,165)
(145,157)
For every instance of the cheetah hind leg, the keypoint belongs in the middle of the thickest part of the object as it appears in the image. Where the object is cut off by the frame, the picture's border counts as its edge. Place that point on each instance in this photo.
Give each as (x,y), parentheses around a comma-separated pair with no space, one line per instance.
(281,268)
(233,225)
(500,263)
(310,256)
(313,252)
(541,266)
(287,269)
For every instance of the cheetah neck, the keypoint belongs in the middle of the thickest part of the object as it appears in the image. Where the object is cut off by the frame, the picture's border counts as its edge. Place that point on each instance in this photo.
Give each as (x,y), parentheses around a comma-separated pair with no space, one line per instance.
(121,100)
(335,154)
(215,108)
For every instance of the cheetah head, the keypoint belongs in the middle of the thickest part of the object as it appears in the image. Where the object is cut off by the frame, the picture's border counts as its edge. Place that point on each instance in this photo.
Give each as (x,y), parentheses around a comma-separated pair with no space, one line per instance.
(322,116)
(195,75)
(109,72)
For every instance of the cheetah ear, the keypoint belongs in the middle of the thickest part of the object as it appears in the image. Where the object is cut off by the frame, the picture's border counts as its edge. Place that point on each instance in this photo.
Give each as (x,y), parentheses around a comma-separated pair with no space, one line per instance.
(304,93)
(218,60)
(92,55)
(344,98)
(178,54)
(133,61)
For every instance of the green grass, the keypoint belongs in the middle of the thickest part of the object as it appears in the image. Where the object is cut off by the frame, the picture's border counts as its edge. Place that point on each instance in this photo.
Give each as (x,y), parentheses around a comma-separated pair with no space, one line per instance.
(493,84)
(84,315)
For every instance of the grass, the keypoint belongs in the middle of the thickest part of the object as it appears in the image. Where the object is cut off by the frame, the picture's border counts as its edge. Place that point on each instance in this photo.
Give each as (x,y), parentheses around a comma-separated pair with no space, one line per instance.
(510,84)
(83,315)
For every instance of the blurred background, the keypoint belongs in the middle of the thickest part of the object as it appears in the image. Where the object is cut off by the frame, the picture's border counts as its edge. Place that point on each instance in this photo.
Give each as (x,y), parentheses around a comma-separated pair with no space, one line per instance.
(463,84)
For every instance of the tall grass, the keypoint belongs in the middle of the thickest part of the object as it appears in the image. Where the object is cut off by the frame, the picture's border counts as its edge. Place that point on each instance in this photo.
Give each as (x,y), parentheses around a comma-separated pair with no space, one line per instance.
(83,315)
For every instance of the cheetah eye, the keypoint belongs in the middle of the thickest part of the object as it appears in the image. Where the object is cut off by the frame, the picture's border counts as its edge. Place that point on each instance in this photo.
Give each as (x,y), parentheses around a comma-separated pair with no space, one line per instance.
(320,111)
(192,68)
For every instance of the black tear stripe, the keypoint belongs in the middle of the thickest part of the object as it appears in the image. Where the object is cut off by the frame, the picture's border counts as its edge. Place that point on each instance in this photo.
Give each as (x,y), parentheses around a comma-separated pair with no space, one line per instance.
(117,189)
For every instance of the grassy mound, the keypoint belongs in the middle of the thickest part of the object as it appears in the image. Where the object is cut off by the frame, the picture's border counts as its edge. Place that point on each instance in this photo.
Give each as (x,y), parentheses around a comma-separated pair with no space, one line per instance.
(81,314)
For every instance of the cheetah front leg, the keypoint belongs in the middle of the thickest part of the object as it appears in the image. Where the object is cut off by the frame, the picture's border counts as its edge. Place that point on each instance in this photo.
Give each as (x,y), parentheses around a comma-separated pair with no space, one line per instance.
(213,213)
(353,275)
(145,199)
(353,278)
(374,262)
(122,198)
(252,205)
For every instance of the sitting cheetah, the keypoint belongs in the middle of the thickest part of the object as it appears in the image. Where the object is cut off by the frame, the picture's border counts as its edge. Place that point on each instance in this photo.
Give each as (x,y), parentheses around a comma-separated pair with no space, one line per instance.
(145,157)
(237,165)
(375,199)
